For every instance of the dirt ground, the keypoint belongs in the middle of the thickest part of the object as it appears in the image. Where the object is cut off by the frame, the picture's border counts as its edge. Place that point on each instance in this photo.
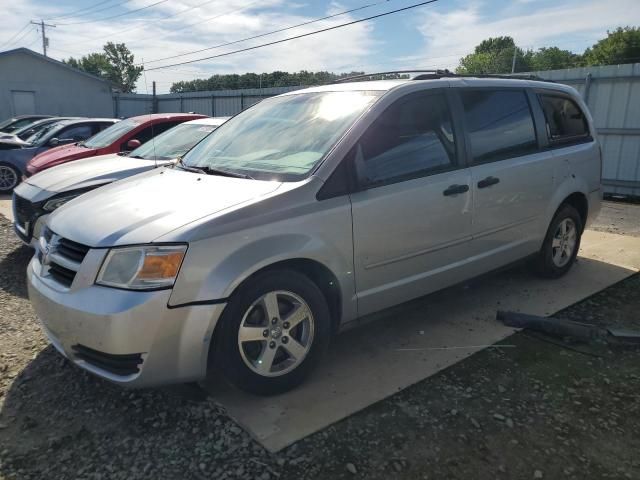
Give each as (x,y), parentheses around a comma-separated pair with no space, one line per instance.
(532,407)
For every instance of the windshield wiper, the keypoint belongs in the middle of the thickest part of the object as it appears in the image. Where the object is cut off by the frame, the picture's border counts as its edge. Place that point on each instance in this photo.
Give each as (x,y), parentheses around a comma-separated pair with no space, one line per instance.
(225,173)
(186,167)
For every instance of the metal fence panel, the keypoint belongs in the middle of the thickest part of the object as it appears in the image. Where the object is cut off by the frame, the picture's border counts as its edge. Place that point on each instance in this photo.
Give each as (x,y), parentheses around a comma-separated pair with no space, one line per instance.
(613,95)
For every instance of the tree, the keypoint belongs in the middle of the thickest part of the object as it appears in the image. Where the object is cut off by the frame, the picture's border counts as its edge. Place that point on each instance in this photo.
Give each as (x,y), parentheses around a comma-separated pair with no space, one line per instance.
(115,64)
(94,63)
(495,55)
(255,80)
(122,70)
(553,58)
(620,46)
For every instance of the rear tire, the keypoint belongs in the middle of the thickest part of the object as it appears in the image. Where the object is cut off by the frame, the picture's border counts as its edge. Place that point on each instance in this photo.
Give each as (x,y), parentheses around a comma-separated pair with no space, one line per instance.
(273,332)
(561,244)
(9,178)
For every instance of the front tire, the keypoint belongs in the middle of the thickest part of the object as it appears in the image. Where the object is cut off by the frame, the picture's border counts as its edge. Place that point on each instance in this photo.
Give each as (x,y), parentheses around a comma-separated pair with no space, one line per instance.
(9,178)
(561,244)
(273,332)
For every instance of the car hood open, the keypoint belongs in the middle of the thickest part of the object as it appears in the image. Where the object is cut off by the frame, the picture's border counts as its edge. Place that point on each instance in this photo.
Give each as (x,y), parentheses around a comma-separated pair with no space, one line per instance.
(144,207)
(91,172)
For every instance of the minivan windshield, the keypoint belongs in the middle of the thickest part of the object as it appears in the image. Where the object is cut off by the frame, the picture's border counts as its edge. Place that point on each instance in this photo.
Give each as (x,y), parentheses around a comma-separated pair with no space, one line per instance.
(109,135)
(173,143)
(281,138)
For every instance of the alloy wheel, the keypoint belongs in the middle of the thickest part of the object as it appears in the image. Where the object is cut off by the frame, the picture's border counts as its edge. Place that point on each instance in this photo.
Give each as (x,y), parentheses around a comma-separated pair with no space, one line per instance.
(8,178)
(564,242)
(276,333)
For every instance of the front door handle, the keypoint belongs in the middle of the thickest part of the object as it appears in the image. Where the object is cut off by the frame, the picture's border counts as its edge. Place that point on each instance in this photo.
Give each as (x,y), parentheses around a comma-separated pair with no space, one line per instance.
(455,189)
(487,182)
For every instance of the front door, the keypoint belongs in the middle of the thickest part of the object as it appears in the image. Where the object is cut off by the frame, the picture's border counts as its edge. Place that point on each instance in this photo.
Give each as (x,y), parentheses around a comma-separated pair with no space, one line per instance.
(24,102)
(412,211)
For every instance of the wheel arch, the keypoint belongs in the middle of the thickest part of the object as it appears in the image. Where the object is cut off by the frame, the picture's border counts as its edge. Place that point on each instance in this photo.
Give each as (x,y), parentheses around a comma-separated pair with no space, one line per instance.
(579,201)
(318,273)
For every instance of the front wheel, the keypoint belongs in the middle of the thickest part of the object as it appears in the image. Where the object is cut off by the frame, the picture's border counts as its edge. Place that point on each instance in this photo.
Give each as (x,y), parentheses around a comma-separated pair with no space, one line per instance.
(273,332)
(561,244)
(9,178)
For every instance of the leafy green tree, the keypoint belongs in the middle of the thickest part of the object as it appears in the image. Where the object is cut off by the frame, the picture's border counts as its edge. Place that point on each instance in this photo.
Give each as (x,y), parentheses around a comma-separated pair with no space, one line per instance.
(553,58)
(255,80)
(94,63)
(115,64)
(495,55)
(620,46)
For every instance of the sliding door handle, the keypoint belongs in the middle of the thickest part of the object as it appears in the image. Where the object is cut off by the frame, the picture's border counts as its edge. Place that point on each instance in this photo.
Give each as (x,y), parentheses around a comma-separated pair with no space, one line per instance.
(487,182)
(455,189)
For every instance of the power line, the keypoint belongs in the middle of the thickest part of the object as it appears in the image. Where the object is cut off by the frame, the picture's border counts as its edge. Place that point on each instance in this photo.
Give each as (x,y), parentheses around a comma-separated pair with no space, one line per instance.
(10,41)
(345,12)
(238,10)
(87,10)
(116,16)
(167,17)
(335,27)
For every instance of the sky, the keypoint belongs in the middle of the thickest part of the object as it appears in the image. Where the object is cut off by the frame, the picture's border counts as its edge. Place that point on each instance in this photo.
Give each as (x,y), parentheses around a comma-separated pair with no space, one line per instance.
(436,35)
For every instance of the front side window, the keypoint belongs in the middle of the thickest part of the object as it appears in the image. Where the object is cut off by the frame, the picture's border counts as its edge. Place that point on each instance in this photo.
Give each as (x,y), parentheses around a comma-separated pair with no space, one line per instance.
(564,118)
(173,143)
(499,124)
(109,135)
(76,133)
(413,137)
(283,137)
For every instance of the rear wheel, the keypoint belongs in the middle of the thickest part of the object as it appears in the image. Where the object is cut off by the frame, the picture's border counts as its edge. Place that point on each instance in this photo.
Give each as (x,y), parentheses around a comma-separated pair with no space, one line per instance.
(9,178)
(273,332)
(561,243)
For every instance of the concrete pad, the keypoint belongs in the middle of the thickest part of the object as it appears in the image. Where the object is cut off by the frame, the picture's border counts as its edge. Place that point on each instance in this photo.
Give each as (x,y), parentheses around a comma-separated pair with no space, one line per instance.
(414,341)
(5,207)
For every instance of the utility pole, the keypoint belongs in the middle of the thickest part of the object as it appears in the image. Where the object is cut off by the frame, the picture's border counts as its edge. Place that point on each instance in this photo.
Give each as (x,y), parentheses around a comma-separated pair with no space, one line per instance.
(45,40)
(513,63)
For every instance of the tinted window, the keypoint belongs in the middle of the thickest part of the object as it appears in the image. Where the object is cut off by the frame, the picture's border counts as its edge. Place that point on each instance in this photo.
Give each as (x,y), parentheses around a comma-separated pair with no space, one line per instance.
(174,142)
(564,118)
(499,124)
(76,133)
(413,137)
(152,131)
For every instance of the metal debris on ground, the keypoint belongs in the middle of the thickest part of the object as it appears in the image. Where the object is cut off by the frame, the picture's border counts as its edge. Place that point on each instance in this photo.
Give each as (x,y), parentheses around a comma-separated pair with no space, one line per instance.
(566,328)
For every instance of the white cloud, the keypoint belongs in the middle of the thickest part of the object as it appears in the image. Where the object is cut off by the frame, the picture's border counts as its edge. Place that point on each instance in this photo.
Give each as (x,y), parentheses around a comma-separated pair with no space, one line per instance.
(573,26)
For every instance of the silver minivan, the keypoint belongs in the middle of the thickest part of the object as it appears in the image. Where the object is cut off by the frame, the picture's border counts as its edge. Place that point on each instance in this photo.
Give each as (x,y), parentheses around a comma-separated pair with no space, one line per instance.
(308,211)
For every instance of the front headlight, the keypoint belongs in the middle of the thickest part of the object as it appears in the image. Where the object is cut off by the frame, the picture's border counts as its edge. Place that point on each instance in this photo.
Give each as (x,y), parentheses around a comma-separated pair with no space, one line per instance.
(55,203)
(146,267)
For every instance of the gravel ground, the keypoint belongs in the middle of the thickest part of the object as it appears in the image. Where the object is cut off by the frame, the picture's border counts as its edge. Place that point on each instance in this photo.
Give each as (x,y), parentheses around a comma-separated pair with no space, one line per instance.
(540,409)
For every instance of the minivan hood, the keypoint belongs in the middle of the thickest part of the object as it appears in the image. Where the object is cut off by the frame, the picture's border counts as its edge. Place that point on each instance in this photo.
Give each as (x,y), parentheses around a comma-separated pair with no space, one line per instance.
(57,155)
(90,172)
(144,207)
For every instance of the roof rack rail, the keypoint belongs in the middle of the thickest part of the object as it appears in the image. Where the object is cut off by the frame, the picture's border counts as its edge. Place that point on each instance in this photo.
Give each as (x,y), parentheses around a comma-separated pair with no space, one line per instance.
(404,73)
(435,74)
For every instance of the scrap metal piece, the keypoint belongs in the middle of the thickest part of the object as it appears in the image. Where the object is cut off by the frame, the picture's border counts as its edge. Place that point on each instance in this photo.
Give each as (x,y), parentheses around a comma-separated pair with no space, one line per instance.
(566,328)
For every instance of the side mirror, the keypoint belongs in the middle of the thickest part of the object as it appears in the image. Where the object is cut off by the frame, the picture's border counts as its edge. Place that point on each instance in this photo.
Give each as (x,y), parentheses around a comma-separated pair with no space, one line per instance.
(133,144)
(54,142)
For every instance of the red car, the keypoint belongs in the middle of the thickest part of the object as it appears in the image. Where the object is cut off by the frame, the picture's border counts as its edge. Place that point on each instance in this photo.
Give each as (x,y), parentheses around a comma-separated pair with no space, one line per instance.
(123,136)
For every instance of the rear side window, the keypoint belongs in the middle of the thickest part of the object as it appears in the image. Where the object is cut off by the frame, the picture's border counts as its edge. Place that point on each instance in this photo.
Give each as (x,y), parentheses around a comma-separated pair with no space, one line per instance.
(565,120)
(412,138)
(499,124)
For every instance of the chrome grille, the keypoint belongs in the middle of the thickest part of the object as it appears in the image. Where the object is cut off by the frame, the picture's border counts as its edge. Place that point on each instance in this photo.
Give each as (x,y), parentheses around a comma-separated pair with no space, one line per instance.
(60,257)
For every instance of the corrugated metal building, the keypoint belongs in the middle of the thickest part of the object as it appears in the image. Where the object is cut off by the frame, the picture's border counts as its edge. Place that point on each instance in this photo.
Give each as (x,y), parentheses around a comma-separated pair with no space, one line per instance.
(32,83)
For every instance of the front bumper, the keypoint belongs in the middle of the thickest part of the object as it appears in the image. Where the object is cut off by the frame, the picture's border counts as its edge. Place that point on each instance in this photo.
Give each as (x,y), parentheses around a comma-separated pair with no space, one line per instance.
(173,344)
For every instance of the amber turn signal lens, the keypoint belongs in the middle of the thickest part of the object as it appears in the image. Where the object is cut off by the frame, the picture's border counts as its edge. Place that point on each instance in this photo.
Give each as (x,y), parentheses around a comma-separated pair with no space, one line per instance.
(161,265)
